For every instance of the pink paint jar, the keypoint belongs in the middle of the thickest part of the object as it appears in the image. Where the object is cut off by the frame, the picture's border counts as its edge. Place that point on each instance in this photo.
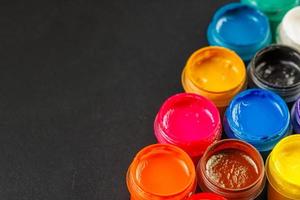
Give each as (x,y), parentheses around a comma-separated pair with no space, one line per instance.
(189,121)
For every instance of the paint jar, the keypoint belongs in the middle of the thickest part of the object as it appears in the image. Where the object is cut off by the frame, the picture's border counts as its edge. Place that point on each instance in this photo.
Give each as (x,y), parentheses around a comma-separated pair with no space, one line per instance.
(233,169)
(277,68)
(159,172)
(241,28)
(288,31)
(216,73)
(274,9)
(295,116)
(189,121)
(283,170)
(259,117)
(206,196)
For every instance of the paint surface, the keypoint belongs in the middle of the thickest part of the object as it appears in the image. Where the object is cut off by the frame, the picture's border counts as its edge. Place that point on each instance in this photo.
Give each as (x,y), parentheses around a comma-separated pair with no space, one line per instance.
(291,26)
(232,169)
(284,167)
(278,66)
(206,196)
(241,25)
(163,173)
(216,69)
(188,117)
(258,114)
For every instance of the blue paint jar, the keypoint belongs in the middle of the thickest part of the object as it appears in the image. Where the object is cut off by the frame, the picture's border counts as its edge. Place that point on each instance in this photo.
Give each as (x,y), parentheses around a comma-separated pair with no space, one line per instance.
(241,28)
(259,117)
(295,113)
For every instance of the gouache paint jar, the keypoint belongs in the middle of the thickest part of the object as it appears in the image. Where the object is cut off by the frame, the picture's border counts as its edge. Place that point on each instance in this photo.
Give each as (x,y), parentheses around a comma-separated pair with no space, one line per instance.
(216,73)
(283,169)
(206,196)
(288,32)
(259,117)
(241,28)
(189,121)
(277,68)
(274,9)
(233,169)
(159,172)
(295,116)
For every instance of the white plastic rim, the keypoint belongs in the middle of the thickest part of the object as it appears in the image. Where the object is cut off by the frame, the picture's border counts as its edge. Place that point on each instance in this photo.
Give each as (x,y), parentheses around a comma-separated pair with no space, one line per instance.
(289,29)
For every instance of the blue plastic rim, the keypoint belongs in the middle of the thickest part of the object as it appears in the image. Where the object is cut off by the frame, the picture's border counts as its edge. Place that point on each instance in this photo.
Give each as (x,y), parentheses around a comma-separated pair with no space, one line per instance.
(241,28)
(259,117)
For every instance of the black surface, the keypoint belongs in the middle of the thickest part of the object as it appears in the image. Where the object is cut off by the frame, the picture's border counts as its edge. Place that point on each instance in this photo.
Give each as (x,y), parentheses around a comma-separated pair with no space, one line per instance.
(81,82)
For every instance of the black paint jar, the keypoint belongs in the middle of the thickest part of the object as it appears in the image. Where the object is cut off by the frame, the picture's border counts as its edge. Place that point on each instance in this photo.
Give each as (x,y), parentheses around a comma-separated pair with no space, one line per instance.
(277,68)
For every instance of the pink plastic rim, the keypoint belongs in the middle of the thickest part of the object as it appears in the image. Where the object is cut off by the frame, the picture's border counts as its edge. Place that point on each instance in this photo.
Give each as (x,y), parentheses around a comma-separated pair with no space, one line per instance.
(206,196)
(189,121)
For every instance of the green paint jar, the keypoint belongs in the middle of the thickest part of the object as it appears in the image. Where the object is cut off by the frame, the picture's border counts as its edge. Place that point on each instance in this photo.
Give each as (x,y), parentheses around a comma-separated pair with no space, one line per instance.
(274,9)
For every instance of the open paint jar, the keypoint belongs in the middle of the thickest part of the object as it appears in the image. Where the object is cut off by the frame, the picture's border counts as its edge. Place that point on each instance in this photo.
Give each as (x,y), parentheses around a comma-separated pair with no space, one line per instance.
(283,169)
(216,73)
(233,169)
(189,121)
(159,172)
(259,117)
(277,68)
(295,113)
(206,196)
(274,9)
(241,28)
(288,32)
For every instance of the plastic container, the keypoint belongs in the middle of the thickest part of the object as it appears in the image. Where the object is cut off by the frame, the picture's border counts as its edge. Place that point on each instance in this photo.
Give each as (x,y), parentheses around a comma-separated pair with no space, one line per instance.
(274,9)
(159,172)
(295,116)
(283,170)
(189,121)
(216,73)
(259,117)
(288,31)
(277,68)
(233,169)
(206,196)
(241,28)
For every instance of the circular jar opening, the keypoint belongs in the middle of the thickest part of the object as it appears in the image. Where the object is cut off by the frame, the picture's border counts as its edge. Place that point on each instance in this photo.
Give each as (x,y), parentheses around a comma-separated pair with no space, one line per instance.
(259,117)
(277,67)
(206,196)
(233,169)
(161,170)
(283,168)
(189,121)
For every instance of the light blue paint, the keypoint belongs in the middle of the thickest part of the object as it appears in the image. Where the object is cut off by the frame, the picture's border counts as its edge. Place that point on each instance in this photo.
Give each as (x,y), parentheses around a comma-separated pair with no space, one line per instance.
(241,28)
(259,117)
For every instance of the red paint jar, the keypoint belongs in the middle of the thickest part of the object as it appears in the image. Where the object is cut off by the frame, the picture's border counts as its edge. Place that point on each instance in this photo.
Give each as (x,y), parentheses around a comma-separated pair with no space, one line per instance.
(233,169)
(206,196)
(189,121)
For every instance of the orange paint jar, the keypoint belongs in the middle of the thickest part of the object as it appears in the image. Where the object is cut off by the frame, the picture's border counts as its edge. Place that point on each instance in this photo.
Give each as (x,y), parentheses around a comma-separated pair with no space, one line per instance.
(159,172)
(216,73)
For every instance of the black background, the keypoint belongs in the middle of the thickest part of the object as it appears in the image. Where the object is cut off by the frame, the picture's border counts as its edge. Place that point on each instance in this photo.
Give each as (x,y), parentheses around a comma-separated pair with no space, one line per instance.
(80,84)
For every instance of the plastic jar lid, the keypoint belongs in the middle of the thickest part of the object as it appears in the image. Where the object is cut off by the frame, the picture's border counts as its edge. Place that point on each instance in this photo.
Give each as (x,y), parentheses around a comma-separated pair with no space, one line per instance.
(189,121)
(241,28)
(206,196)
(283,167)
(233,169)
(259,117)
(216,73)
(161,171)
(289,30)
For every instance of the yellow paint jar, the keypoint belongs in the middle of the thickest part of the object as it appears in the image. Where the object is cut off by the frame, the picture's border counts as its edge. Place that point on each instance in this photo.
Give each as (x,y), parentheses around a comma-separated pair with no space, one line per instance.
(283,169)
(216,73)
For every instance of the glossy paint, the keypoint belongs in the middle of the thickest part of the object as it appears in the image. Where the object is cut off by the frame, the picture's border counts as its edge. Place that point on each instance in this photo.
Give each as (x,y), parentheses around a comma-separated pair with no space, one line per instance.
(259,117)
(241,28)
(206,196)
(283,169)
(295,116)
(189,121)
(161,171)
